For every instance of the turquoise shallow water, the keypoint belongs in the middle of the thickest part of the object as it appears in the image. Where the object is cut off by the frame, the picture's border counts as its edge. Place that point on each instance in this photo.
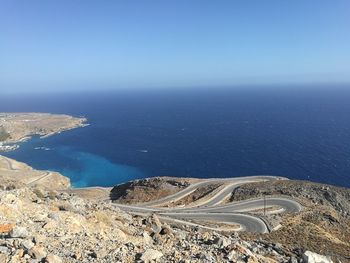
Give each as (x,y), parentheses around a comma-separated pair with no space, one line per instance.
(297,132)
(83,168)
(95,170)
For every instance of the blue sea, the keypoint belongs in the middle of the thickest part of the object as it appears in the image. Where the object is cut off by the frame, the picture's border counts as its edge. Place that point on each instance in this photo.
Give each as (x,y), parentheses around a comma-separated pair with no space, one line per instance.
(297,132)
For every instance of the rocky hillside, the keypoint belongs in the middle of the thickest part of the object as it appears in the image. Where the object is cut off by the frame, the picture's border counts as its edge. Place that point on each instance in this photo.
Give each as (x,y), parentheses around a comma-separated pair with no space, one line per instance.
(23,174)
(336,197)
(3,134)
(45,225)
(42,220)
(324,224)
(147,189)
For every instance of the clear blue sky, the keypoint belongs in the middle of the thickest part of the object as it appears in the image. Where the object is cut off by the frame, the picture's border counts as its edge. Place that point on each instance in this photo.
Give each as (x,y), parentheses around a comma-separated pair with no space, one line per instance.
(167,43)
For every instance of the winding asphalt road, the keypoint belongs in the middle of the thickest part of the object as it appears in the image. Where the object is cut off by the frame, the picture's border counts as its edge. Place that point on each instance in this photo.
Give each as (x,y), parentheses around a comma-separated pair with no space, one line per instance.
(193,187)
(247,222)
(238,213)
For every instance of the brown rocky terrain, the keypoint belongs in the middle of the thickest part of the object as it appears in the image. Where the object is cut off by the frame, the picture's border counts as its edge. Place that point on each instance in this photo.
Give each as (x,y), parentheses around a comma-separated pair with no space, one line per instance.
(146,190)
(319,194)
(43,223)
(324,224)
(198,194)
(4,135)
(12,170)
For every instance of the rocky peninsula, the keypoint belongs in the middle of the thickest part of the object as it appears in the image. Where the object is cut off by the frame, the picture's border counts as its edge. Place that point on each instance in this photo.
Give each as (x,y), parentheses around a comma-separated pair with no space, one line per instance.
(19,127)
(163,219)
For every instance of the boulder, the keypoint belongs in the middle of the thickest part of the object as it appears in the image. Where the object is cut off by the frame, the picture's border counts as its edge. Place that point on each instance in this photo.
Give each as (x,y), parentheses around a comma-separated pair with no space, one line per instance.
(234,256)
(9,198)
(27,244)
(37,252)
(222,242)
(120,234)
(18,232)
(151,255)
(6,228)
(39,239)
(166,230)
(311,257)
(50,224)
(147,239)
(53,259)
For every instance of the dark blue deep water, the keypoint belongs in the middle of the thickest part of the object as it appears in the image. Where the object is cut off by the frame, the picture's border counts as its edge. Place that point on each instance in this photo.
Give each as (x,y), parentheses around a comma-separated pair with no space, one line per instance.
(297,132)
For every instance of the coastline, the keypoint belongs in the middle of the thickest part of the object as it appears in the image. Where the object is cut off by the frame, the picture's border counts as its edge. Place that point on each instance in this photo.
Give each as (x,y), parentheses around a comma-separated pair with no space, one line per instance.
(23,174)
(21,127)
(63,130)
(43,125)
(216,206)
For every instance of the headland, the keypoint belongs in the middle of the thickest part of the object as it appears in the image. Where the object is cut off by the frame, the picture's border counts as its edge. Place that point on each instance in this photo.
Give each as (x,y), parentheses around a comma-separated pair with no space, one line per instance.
(16,128)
